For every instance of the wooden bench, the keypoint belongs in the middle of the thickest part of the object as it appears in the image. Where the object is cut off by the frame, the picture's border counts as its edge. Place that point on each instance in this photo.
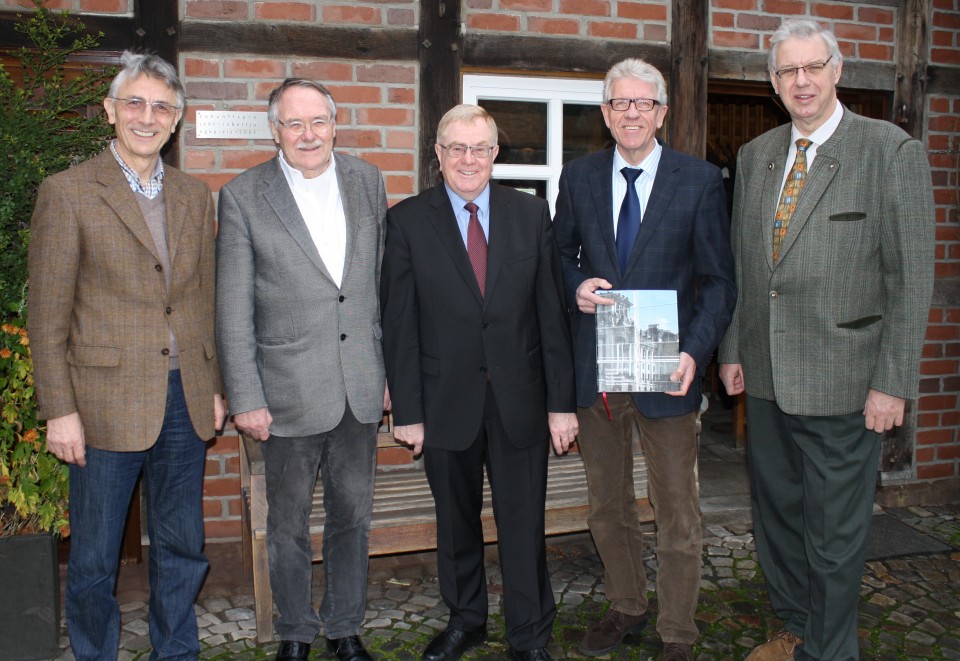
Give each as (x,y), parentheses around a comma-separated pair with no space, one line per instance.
(403,513)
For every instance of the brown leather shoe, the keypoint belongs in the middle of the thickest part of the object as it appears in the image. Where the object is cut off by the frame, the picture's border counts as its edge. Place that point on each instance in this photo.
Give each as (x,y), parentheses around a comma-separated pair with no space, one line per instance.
(677,652)
(778,648)
(610,631)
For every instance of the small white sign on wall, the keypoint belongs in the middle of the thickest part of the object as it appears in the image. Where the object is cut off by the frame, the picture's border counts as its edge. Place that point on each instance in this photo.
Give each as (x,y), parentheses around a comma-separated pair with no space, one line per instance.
(232,125)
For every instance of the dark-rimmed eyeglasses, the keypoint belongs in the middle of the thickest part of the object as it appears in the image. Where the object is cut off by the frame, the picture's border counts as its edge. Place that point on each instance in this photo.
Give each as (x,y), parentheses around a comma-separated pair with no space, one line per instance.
(458,151)
(138,106)
(643,105)
(812,69)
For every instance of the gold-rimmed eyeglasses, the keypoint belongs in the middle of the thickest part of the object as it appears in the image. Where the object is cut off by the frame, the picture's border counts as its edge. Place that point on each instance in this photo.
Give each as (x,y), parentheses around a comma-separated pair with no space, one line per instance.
(138,106)
(298,127)
(812,69)
(458,151)
(643,105)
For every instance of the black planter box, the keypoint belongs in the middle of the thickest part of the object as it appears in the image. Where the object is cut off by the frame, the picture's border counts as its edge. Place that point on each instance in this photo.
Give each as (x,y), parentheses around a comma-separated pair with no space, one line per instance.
(29,598)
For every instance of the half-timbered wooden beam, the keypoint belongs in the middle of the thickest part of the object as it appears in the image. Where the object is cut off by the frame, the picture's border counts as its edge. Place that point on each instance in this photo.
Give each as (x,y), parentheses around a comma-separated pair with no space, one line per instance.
(687,120)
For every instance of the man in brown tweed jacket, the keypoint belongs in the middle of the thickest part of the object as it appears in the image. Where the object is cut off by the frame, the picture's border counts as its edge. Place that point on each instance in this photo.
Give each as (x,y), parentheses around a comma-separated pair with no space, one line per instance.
(121,317)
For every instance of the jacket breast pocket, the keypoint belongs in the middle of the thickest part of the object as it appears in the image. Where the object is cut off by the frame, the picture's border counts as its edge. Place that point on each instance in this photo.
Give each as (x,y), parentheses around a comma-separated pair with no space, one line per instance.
(849,216)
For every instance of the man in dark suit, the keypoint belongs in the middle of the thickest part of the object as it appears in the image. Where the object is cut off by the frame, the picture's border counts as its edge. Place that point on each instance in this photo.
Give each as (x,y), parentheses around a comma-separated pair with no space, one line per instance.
(478,358)
(827,335)
(298,327)
(662,228)
(121,326)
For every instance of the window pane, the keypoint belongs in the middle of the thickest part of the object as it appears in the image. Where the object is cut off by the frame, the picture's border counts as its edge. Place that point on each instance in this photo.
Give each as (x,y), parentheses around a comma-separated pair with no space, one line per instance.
(536,187)
(584,131)
(523,130)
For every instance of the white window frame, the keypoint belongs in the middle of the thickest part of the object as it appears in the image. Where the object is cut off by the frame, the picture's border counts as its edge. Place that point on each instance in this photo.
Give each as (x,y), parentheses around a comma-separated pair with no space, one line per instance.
(555,92)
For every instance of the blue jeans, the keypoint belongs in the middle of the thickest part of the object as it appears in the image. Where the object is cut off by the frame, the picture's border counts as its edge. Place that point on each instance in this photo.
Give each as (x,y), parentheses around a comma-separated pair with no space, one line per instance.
(100,495)
(346,457)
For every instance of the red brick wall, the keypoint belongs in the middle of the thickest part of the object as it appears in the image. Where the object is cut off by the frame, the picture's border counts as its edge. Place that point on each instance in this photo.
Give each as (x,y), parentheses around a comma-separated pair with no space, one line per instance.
(376,113)
(864,31)
(81,6)
(326,12)
(937,452)
(646,20)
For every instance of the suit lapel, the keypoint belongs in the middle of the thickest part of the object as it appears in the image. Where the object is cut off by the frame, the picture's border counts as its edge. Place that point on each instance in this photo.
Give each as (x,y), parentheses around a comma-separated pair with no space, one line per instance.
(599,182)
(118,196)
(664,188)
(276,191)
(501,231)
(824,169)
(772,188)
(445,225)
(350,197)
(176,212)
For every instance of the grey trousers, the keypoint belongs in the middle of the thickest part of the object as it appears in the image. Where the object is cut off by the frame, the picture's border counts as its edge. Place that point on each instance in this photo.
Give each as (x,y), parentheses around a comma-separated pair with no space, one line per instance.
(346,459)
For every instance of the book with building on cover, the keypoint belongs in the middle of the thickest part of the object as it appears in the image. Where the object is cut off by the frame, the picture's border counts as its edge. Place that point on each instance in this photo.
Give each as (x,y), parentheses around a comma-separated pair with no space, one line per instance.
(638,341)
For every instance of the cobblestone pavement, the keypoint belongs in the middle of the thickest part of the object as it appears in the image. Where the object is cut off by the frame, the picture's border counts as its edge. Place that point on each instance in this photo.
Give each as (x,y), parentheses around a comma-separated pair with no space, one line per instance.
(909,609)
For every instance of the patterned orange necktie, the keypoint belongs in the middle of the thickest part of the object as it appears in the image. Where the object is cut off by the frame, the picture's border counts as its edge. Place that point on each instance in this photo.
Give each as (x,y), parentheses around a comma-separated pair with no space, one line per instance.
(788,199)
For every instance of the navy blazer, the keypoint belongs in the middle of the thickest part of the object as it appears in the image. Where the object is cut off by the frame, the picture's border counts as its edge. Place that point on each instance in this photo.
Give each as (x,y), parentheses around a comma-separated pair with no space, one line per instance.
(683,244)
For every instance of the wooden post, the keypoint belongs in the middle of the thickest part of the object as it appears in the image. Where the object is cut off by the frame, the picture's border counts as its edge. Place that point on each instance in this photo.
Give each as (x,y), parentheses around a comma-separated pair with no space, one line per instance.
(911,83)
(440,46)
(687,93)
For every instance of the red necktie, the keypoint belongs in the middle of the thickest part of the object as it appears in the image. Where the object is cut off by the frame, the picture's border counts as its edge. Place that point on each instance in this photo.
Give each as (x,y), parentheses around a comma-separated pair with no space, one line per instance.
(477,247)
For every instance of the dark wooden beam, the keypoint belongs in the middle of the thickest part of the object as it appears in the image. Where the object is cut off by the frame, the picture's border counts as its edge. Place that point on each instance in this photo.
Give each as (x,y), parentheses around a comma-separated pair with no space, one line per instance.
(118,32)
(440,52)
(548,54)
(911,76)
(286,40)
(943,80)
(732,65)
(687,118)
(157,22)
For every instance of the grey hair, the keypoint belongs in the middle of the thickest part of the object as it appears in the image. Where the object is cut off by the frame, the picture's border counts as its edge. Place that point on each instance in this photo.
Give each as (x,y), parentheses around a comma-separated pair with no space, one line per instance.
(133,65)
(635,69)
(273,107)
(802,28)
(467,113)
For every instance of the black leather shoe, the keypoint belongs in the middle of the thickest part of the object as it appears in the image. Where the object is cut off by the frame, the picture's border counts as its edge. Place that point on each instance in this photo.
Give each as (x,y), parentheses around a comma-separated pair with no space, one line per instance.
(452,643)
(291,650)
(348,648)
(539,654)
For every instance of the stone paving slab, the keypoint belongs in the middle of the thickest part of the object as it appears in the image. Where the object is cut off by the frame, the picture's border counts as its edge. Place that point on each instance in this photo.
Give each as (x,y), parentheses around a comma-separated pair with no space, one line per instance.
(909,607)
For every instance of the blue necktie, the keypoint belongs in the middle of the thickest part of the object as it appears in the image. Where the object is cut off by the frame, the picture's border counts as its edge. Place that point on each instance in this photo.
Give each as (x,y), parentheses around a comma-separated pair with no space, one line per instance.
(628,224)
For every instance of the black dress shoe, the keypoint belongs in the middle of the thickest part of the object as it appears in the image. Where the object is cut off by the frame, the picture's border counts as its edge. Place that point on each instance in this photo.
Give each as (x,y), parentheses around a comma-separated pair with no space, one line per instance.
(539,654)
(291,650)
(348,648)
(452,643)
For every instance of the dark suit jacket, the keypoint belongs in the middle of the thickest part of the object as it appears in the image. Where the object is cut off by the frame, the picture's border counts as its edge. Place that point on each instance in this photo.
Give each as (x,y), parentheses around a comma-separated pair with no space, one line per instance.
(442,340)
(683,245)
(855,276)
(101,313)
(290,339)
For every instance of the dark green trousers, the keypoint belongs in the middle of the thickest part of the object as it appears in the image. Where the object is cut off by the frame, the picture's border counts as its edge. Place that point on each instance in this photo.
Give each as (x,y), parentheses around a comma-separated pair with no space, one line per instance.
(813,480)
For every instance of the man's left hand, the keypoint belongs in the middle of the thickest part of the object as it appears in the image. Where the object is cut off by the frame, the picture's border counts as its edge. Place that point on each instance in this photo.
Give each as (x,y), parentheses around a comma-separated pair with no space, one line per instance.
(563,430)
(219,412)
(882,411)
(685,374)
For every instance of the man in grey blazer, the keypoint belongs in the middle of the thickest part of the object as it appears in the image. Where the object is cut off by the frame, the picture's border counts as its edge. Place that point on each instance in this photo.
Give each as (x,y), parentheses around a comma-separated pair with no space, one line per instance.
(834,290)
(298,327)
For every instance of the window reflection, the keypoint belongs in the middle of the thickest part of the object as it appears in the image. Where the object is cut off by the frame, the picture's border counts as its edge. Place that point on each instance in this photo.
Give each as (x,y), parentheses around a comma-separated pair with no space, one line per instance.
(584,131)
(536,187)
(523,130)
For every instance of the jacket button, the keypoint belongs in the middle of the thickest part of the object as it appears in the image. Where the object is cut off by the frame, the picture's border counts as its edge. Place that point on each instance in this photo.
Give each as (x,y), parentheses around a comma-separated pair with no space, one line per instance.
(343,336)
(165,352)
(169,309)
(158,268)
(342,299)
(485,326)
(774,294)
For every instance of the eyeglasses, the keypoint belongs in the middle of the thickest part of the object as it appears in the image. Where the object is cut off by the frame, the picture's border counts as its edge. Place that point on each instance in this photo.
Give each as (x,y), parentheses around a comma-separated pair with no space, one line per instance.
(643,105)
(789,73)
(296,127)
(137,106)
(458,151)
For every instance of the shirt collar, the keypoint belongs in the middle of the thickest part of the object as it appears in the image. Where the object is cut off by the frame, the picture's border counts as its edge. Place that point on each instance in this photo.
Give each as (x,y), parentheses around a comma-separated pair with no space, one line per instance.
(648,165)
(824,131)
(482,200)
(153,185)
(296,179)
